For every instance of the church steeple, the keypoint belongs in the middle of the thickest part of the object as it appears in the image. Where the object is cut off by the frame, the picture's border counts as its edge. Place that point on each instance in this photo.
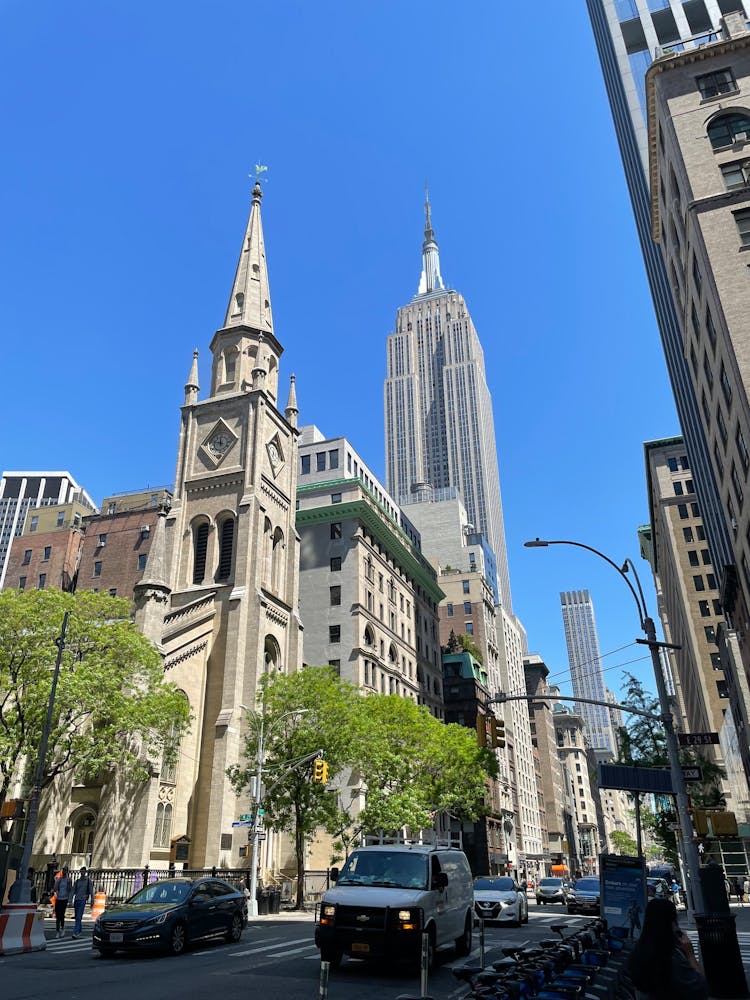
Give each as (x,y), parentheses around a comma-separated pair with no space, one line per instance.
(292,410)
(191,386)
(431,279)
(250,301)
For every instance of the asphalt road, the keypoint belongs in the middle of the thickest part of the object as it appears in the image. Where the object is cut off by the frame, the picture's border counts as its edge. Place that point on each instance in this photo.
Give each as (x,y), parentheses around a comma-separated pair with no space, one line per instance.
(276,960)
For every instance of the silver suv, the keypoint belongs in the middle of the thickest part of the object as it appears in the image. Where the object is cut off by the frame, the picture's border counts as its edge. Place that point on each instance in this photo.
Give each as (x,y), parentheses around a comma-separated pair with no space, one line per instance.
(386,897)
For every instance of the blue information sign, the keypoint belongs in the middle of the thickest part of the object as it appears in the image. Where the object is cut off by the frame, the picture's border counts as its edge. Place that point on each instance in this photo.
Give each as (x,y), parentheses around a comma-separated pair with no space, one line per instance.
(623,892)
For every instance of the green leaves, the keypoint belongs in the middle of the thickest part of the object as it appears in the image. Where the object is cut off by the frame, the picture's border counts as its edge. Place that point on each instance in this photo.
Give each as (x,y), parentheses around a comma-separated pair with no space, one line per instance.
(112,705)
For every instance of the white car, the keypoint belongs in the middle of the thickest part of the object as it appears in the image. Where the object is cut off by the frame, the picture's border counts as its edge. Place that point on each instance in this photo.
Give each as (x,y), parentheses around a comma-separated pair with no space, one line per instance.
(501,899)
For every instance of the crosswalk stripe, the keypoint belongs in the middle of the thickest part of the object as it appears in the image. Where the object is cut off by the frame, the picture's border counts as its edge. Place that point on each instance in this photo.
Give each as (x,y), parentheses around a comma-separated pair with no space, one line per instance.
(266,947)
(293,951)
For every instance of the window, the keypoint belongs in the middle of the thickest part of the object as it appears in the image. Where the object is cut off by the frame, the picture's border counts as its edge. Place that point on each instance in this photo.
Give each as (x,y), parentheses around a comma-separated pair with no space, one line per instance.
(103,539)
(693,557)
(334,633)
(718,460)
(47,553)
(145,532)
(111,507)
(226,545)
(710,328)
(704,609)
(97,568)
(720,423)
(710,632)
(26,557)
(736,174)
(687,534)
(335,498)
(163,824)
(705,557)
(697,276)
(465,585)
(469,628)
(707,371)
(335,564)
(320,461)
(333,459)
(682,510)
(336,529)
(34,522)
(721,81)
(305,467)
(689,486)
(716,661)
(450,610)
(737,484)
(142,561)
(726,385)
(727,129)
(700,533)
(60,518)
(678,490)
(42,581)
(742,448)
(22,583)
(200,544)
(467,607)
(335,593)
(710,581)
(672,463)
(742,218)
(698,582)
(716,606)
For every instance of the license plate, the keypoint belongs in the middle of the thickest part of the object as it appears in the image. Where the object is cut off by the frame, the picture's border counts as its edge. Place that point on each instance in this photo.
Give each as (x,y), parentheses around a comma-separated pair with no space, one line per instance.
(116,938)
(360,946)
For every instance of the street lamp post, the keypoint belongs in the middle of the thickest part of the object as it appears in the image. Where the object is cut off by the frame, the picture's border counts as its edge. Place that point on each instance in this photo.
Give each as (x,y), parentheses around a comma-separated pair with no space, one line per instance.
(678,778)
(252,908)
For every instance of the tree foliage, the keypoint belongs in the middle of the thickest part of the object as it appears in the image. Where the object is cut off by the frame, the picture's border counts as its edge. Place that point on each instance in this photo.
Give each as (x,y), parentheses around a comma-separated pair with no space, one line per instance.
(623,843)
(409,764)
(112,704)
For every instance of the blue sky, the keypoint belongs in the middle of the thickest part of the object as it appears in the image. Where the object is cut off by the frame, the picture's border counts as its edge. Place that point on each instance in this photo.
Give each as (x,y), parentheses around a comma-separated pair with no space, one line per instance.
(129,133)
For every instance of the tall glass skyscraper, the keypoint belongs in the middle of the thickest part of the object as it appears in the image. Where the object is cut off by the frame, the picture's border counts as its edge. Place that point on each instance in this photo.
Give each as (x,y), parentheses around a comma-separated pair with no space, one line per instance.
(439,426)
(585,663)
(628,34)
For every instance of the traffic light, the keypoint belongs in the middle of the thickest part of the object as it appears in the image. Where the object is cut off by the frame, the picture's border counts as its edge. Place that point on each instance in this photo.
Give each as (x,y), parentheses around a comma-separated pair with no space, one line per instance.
(320,770)
(481,729)
(497,733)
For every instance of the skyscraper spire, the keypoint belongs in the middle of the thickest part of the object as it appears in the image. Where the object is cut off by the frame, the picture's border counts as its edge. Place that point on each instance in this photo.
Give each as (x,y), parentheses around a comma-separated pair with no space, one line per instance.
(430,281)
(250,301)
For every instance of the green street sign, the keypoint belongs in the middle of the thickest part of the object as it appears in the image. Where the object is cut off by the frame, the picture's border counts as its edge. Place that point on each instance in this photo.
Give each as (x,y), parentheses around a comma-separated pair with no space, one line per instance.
(245,816)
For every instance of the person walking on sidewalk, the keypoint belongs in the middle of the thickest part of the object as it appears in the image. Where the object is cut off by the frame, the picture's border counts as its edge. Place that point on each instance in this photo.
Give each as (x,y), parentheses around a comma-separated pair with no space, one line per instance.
(63,892)
(83,892)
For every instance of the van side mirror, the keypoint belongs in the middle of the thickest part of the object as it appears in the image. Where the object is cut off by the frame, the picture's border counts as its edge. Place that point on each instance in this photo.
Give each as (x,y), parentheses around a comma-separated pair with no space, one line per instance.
(333,874)
(440,881)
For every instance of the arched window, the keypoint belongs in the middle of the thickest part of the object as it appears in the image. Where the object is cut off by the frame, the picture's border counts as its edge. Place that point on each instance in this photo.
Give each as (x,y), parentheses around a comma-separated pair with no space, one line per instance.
(271,655)
(200,545)
(369,636)
(727,129)
(392,655)
(267,551)
(163,824)
(230,365)
(84,830)
(277,560)
(226,547)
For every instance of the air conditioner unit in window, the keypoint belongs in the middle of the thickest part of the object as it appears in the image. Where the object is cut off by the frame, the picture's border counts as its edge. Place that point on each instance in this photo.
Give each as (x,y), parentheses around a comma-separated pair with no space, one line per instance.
(740,136)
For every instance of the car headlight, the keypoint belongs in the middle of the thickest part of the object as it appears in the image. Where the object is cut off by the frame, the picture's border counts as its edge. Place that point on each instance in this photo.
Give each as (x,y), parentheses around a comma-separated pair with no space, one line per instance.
(159,919)
(329,910)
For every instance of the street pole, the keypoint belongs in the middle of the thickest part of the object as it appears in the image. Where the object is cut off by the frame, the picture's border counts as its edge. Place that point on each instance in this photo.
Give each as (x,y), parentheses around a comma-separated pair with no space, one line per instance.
(678,778)
(252,908)
(24,892)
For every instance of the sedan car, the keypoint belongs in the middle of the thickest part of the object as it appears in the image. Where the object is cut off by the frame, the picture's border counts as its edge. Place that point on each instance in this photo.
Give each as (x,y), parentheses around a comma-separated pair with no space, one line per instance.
(659,888)
(170,915)
(585,896)
(551,890)
(500,899)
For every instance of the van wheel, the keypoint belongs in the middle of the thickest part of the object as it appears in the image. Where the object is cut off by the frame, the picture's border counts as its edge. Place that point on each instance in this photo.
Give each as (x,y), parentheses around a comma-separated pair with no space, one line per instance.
(463,944)
(331,956)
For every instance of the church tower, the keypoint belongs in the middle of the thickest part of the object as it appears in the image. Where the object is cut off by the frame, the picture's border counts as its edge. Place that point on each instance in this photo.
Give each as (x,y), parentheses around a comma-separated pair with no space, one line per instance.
(231,562)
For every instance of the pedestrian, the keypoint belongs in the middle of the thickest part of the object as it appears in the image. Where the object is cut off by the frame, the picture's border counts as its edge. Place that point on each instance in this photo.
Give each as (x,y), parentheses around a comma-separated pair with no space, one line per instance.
(663,964)
(675,891)
(63,892)
(746,888)
(83,892)
(634,919)
(738,889)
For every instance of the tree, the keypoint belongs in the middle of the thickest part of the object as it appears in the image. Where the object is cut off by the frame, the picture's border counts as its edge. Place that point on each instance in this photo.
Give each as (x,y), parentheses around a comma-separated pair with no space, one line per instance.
(302,713)
(113,707)
(623,843)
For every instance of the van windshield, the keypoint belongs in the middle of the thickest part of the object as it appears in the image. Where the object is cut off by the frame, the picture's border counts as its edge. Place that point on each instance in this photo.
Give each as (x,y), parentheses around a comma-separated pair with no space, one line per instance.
(398,869)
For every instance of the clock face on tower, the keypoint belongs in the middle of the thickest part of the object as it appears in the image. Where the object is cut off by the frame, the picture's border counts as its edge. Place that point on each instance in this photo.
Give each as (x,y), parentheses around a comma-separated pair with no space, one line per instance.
(220,444)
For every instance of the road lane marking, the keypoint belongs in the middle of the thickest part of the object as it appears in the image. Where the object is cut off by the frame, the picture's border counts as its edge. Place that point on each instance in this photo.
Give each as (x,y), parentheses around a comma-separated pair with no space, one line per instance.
(267,947)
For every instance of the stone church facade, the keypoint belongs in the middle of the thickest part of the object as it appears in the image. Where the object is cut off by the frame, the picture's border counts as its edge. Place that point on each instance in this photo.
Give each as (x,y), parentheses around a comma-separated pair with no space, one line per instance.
(219,597)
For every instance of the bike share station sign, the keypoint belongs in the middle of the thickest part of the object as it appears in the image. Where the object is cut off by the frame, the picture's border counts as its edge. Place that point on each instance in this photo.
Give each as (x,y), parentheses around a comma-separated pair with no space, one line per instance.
(623,891)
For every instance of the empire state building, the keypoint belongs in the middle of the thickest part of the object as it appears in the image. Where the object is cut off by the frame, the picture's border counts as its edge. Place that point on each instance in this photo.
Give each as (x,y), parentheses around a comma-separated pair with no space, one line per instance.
(439,426)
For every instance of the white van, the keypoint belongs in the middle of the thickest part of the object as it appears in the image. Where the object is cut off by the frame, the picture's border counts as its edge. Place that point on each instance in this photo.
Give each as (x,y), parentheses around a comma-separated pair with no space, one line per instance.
(385,897)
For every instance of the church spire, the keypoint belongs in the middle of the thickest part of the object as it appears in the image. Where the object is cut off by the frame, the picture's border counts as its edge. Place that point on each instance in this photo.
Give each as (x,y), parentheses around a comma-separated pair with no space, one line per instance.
(191,386)
(292,410)
(250,301)
(430,280)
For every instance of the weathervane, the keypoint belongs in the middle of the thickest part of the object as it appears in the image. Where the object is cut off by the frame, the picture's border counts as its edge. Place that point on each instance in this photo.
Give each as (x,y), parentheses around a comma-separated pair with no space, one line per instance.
(258,173)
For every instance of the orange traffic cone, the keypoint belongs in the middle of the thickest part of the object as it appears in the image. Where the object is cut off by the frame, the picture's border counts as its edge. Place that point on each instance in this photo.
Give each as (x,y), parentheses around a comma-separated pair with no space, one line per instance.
(100,898)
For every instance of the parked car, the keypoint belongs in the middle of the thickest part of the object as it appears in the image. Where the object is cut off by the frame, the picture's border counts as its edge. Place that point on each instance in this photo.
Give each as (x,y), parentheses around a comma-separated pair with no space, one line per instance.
(550,890)
(171,914)
(585,896)
(500,899)
(385,897)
